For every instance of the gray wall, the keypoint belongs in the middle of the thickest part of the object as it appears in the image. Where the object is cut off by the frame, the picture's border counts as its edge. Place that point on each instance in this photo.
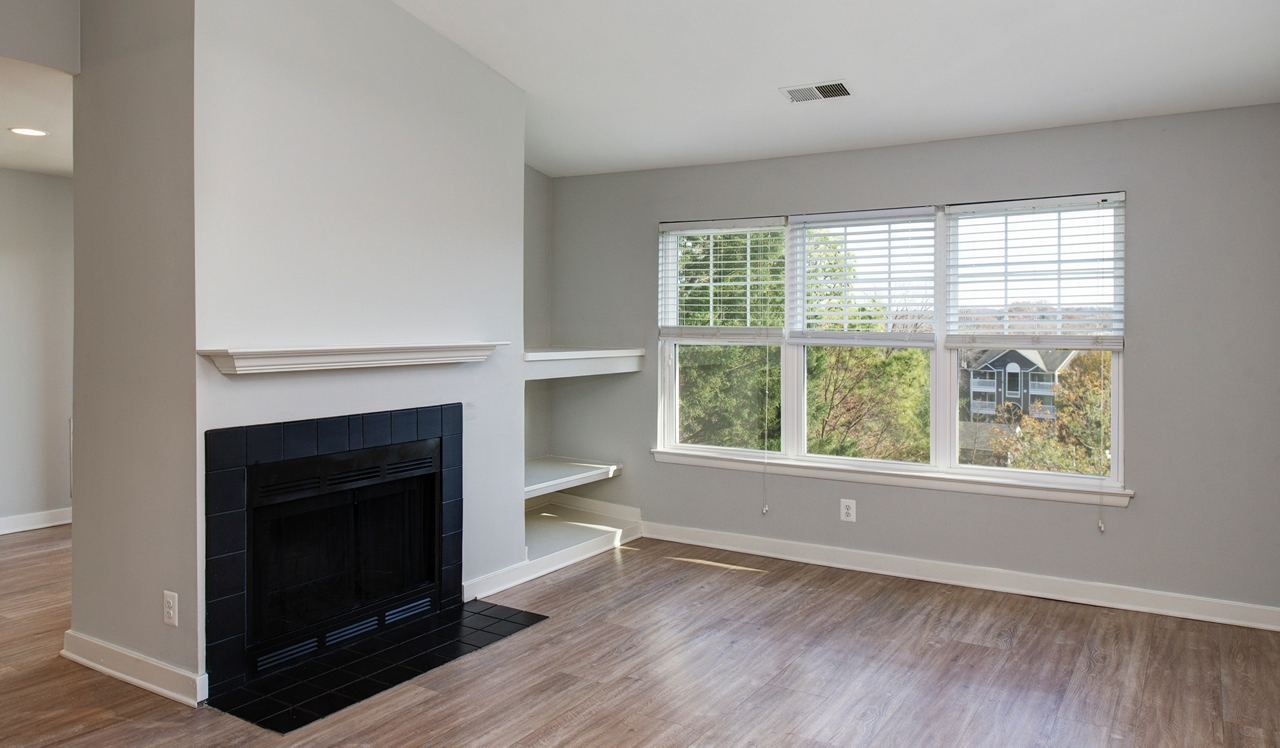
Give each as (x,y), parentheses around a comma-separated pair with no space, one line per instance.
(46,32)
(1201,411)
(537,306)
(135,388)
(36,268)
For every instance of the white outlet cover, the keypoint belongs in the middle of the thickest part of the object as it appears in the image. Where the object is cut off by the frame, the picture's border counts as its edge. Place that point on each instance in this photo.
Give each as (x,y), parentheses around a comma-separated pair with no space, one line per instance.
(848,510)
(170,608)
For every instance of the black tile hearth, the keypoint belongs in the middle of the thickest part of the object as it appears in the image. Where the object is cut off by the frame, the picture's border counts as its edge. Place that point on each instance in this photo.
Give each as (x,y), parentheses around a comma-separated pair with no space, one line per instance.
(300,695)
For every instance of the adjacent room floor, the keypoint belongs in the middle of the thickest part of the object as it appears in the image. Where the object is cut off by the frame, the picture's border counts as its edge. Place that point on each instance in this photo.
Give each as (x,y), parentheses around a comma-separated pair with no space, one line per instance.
(658,643)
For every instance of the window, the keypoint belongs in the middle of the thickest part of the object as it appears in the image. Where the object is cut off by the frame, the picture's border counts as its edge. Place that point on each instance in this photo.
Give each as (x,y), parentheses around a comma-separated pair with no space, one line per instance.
(867,317)
(972,347)
(723,312)
(1012,387)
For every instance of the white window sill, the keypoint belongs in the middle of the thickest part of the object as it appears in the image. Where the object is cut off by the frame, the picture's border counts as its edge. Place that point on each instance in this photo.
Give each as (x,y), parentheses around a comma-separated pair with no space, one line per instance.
(1057,488)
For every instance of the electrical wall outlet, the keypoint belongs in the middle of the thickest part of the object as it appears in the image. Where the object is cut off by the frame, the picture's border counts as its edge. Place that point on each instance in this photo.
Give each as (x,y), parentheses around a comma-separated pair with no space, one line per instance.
(848,510)
(170,608)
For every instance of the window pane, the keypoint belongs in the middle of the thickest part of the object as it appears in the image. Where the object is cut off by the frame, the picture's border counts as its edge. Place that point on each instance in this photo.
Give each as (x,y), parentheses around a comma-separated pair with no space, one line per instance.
(1038,270)
(731,279)
(869,275)
(729,395)
(1057,418)
(868,402)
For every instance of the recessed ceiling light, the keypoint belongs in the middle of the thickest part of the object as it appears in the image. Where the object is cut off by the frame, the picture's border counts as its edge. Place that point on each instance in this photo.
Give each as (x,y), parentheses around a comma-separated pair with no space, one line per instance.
(27,131)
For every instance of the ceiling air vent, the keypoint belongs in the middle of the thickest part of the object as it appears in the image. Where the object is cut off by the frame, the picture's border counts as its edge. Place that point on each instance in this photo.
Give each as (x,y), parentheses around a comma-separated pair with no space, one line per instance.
(816,91)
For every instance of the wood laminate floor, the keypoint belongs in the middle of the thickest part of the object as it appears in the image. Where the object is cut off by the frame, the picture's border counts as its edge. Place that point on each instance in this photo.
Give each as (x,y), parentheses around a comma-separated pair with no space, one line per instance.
(661,644)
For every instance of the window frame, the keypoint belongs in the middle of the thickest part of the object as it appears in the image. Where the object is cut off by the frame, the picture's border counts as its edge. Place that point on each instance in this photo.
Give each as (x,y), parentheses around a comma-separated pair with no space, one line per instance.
(943,472)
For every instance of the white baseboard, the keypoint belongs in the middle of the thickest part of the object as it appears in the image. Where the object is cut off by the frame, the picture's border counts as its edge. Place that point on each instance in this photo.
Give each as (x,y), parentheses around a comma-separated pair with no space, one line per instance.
(35,520)
(964,575)
(138,669)
(491,584)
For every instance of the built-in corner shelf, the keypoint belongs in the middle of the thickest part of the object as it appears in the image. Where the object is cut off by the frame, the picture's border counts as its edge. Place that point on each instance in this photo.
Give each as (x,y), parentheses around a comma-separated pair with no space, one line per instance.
(263,360)
(543,475)
(557,362)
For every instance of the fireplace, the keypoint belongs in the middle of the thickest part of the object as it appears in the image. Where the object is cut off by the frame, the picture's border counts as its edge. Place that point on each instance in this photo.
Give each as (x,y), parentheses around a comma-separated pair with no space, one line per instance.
(333,562)
(322,531)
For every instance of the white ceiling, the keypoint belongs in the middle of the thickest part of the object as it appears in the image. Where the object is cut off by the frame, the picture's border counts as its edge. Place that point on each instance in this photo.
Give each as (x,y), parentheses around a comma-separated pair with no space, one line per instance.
(615,86)
(40,98)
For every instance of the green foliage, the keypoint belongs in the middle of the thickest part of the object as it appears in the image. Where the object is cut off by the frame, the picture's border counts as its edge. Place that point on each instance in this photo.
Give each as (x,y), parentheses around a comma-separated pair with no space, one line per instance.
(730,396)
(732,280)
(1078,438)
(869,402)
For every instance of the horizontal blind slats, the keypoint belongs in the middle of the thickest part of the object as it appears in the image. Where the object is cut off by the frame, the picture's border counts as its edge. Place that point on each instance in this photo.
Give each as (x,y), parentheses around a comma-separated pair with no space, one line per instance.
(1037,272)
(867,278)
(723,276)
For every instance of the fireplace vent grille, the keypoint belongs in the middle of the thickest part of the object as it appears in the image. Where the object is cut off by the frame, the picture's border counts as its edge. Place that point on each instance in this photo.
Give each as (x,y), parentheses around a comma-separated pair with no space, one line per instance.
(288,653)
(354,476)
(407,610)
(346,632)
(409,466)
(288,487)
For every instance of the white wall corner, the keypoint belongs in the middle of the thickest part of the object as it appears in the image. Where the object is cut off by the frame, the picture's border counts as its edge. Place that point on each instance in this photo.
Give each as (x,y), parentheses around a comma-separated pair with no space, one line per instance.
(137,669)
(35,520)
(981,577)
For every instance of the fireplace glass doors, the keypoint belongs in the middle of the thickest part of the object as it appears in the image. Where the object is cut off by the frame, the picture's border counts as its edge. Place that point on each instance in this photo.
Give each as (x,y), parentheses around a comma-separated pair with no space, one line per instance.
(339,545)
(331,555)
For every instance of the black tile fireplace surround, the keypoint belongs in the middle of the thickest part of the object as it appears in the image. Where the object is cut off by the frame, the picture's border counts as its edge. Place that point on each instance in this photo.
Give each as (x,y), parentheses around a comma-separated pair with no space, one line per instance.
(334,562)
(325,532)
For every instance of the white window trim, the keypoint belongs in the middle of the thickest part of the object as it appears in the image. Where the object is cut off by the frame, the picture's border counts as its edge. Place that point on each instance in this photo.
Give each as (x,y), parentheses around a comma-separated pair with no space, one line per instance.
(944,473)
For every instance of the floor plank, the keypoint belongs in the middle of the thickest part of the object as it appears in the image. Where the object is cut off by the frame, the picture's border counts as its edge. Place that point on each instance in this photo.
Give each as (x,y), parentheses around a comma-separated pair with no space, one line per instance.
(1182,695)
(1106,685)
(1251,678)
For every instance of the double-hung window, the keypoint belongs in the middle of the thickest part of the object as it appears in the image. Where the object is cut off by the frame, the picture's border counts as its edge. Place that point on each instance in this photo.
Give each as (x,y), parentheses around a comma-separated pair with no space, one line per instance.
(968,347)
(722,316)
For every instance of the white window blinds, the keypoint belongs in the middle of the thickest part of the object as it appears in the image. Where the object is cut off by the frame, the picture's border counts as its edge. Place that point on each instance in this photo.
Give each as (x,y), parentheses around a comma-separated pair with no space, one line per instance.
(1037,274)
(723,276)
(864,277)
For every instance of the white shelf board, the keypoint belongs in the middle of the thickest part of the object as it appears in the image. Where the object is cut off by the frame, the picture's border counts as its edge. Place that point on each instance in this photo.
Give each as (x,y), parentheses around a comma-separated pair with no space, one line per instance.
(263,360)
(544,475)
(556,362)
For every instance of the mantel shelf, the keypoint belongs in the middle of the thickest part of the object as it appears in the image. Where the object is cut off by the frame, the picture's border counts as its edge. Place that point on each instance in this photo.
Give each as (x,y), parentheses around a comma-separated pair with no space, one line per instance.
(263,360)
(543,475)
(563,361)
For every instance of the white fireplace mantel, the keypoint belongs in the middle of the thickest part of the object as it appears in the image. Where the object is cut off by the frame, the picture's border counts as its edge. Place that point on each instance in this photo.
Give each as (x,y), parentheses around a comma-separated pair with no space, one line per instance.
(263,360)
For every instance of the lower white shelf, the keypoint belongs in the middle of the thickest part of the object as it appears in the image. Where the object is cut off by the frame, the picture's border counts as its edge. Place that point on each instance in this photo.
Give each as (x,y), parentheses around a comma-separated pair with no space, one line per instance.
(560,530)
(555,528)
(543,475)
